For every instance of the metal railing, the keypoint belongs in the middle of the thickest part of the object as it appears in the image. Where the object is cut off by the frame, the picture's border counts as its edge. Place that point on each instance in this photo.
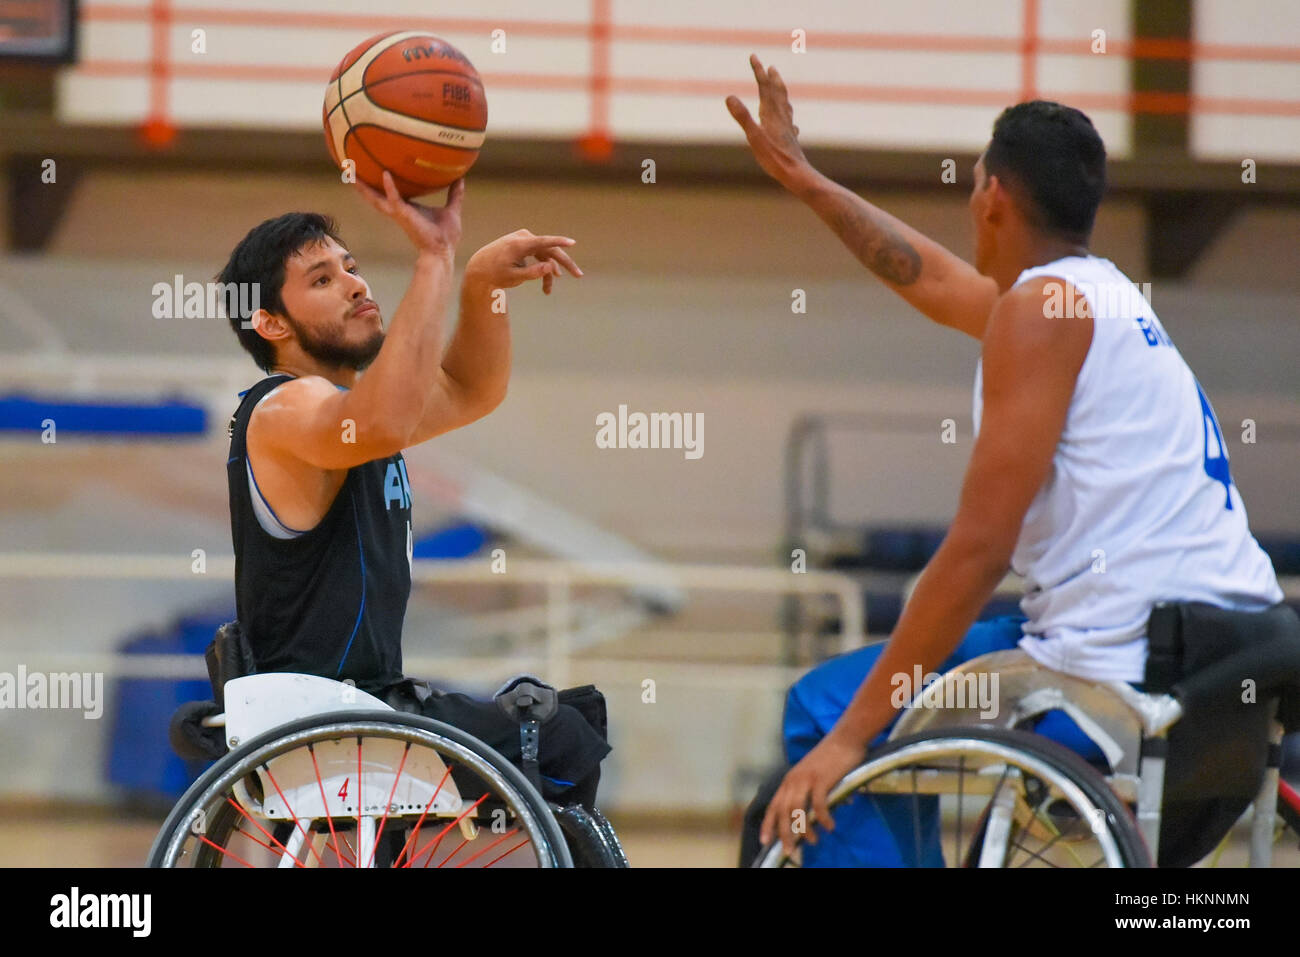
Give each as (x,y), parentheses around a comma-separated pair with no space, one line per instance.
(559,579)
(163,61)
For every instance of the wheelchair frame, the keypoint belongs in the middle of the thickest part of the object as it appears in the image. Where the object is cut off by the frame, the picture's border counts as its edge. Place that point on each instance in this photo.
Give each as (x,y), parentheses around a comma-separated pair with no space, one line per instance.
(1129,727)
(290,762)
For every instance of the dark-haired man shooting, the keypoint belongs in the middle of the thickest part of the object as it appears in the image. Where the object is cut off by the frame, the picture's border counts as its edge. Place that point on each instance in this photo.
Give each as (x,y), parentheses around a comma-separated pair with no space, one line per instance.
(1092,437)
(320,502)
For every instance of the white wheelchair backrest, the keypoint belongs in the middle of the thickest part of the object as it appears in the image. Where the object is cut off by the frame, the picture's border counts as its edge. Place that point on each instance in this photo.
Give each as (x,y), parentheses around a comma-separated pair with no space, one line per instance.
(257,703)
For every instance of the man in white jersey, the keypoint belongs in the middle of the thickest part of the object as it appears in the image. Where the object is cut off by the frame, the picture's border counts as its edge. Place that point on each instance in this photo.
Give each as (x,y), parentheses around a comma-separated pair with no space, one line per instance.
(1094,441)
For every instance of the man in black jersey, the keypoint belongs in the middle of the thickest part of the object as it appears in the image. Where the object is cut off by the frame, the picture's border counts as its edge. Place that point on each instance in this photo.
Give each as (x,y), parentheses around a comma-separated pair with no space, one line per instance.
(320,503)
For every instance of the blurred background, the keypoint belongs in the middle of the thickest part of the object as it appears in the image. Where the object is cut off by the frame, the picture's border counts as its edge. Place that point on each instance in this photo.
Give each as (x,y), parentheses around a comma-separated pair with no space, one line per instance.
(141,139)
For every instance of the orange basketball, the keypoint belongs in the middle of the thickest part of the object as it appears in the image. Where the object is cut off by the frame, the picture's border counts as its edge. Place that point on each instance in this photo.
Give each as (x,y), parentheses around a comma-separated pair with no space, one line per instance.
(409,103)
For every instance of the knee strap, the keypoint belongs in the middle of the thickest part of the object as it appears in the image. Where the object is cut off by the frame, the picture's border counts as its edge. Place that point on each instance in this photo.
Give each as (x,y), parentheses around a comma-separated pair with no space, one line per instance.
(529,737)
(529,701)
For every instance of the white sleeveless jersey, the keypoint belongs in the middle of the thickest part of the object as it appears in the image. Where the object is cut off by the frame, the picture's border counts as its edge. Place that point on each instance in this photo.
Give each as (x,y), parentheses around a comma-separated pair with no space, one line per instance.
(1139,505)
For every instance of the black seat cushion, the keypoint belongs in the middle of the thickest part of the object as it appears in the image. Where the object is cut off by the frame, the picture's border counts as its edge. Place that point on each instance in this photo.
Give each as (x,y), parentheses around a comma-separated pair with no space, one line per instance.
(1227,668)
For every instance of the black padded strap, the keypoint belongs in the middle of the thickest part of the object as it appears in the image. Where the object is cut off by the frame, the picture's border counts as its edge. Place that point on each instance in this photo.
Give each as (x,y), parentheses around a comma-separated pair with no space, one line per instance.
(1164,648)
(529,740)
(529,701)
(1154,748)
(228,656)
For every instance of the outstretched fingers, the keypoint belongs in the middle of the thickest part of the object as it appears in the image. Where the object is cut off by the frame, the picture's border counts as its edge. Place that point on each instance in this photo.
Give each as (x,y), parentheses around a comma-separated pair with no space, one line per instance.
(390,189)
(740,113)
(777,84)
(557,259)
(530,245)
(455,195)
(563,259)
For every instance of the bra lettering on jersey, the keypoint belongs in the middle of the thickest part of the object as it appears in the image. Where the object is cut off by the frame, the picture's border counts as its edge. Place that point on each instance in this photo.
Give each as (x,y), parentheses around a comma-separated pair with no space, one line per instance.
(1154,334)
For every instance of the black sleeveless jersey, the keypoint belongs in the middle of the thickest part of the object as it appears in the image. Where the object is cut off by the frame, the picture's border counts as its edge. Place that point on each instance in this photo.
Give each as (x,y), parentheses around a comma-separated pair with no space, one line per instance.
(330,601)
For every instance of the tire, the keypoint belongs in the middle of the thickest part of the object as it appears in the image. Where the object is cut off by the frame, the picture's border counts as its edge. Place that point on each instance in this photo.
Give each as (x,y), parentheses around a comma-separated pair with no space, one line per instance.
(590,838)
(613,846)
(201,827)
(1055,798)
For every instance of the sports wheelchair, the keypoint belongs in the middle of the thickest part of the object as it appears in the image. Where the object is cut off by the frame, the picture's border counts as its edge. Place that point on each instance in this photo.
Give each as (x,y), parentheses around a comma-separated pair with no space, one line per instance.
(321,774)
(1183,758)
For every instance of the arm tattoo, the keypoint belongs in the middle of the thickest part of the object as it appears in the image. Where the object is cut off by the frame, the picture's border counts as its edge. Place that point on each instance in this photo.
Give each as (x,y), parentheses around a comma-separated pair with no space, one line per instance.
(877,246)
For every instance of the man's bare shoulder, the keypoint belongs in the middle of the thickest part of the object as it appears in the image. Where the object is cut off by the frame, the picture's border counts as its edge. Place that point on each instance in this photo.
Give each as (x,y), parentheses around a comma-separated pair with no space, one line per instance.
(290,402)
(1035,307)
(1027,339)
(286,408)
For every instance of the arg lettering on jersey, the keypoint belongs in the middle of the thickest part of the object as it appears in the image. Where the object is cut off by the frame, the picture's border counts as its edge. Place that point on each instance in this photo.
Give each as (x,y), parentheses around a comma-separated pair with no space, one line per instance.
(397,487)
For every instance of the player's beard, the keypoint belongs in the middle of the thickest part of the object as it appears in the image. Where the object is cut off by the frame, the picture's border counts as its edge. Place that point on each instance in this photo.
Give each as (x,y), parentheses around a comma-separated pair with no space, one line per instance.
(333,351)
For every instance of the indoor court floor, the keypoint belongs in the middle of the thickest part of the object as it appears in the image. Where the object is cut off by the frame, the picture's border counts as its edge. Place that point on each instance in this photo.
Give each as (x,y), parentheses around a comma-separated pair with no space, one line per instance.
(97,840)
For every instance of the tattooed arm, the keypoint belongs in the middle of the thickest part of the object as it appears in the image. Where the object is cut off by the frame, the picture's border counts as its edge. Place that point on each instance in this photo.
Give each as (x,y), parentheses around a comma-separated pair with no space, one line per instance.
(934,280)
(938,283)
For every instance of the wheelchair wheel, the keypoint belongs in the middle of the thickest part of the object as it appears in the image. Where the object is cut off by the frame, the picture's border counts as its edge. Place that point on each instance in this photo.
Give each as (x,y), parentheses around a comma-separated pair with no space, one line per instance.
(357,789)
(981,797)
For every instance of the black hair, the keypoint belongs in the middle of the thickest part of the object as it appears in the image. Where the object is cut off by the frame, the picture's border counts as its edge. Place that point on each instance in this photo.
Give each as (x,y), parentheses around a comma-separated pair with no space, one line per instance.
(261,258)
(1055,157)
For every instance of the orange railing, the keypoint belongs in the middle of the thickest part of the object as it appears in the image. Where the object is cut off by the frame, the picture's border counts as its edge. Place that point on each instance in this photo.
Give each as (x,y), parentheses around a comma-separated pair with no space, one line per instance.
(600,83)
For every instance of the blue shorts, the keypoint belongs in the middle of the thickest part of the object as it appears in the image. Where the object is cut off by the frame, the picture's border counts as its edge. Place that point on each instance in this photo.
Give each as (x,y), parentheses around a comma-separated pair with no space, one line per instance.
(865,831)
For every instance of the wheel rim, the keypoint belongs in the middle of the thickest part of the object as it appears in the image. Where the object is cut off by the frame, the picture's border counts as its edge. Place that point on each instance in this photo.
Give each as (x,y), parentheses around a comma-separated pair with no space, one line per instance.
(998,805)
(248,814)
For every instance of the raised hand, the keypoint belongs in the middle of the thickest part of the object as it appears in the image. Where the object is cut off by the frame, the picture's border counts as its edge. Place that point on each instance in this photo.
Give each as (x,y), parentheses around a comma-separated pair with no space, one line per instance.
(774,138)
(431,229)
(504,262)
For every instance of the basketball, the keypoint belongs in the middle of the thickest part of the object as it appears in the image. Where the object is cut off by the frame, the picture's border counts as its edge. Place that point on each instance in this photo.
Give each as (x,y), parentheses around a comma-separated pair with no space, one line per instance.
(407,102)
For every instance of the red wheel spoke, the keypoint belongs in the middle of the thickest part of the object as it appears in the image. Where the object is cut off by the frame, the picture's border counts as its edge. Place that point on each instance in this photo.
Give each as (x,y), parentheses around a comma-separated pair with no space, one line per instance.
(270,835)
(256,840)
(283,851)
(306,837)
(470,860)
(455,851)
(384,820)
(1289,794)
(230,854)
(329,818)
(349,857)
(441,834)
(507,853)
(415,832)
(437,839)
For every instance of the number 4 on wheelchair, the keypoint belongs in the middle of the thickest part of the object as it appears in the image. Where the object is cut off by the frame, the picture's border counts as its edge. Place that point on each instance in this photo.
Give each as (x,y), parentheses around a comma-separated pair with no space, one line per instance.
(318,773)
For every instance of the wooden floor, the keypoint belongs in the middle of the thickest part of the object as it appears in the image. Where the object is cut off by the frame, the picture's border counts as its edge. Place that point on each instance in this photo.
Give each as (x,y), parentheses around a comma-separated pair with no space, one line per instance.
(42,841)
(97,840)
